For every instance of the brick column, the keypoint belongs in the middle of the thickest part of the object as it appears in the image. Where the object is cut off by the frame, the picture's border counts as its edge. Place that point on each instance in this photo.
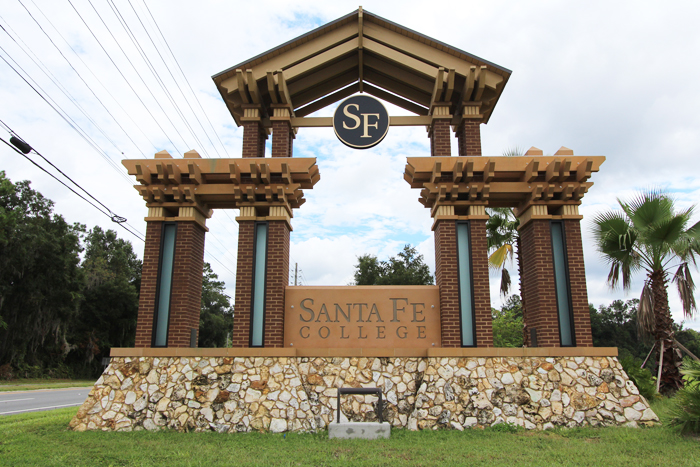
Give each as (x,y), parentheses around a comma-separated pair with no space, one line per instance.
(254,135)
(577,278)
(537,283)
(538,287)
(469,137)
(277,279)
(186,295)
(480,278)
(446,278)
(439,134)
(149,281)
(244,284)
(282,133)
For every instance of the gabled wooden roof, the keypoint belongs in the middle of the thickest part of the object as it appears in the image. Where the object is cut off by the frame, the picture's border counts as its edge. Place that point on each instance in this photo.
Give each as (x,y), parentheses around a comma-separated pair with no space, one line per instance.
(362,52)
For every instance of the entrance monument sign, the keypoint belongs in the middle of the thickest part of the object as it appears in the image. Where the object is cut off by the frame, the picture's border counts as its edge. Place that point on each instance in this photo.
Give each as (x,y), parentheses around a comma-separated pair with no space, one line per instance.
(363,316)
(430,350)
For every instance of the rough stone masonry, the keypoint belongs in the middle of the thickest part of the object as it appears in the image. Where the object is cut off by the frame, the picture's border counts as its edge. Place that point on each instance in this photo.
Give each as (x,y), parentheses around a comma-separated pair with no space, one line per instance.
(241,394)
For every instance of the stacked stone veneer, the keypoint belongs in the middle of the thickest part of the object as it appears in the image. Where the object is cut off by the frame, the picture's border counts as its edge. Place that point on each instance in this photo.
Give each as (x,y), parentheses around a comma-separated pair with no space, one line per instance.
(239,394)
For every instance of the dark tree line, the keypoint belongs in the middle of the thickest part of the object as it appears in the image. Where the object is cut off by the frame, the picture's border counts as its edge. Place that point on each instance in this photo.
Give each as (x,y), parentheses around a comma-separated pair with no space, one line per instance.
(69,294)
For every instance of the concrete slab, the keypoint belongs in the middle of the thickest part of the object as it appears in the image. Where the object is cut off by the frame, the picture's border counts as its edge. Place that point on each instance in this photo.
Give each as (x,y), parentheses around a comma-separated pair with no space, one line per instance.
(359,430)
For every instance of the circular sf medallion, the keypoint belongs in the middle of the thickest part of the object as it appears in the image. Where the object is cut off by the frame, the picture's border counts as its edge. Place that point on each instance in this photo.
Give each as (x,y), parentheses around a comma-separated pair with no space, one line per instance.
(361,122)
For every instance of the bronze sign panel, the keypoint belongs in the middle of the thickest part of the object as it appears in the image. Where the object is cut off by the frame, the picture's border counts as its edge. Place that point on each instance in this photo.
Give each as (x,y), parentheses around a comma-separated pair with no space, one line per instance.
(362,317)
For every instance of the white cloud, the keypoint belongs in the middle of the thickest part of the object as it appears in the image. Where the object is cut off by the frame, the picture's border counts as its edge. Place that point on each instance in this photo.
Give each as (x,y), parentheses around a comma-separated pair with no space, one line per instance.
(614,79)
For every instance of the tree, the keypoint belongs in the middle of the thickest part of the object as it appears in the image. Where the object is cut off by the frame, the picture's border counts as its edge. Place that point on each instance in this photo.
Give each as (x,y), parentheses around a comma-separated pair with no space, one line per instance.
(508,323)
(216,317)
(40,279)
(109,307)
(407,268)
(615,325)
(503,240)
(648,234)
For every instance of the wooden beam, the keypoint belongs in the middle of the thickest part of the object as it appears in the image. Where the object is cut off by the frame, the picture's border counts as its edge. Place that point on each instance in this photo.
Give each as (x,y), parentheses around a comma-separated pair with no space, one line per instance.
(457,172)
(253,88)
(564,170)
(397,87)
(437,87)
(324,74)
(583,171)
(326,101)
(323,89)
(421,68)
(143,175)
(398,72)
(396,100)
(320,60)
(285,97)
(468,88)
(531,171)
(195,173)
(242,87)
(489,171)
(316,122)
(174,174)
(480,84)
(450,85)
(552,170)
(272,87)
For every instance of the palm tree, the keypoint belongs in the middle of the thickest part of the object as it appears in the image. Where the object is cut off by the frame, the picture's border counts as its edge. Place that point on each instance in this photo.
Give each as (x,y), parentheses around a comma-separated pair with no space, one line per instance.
(648,234)
(503,240)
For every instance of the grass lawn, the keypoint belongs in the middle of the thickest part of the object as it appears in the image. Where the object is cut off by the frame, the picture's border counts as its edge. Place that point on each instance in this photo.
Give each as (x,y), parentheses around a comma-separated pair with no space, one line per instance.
(42,439)
(25,384)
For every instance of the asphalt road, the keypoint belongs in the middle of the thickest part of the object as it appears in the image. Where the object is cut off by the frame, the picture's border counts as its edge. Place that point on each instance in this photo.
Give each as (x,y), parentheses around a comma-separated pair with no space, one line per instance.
(33,401)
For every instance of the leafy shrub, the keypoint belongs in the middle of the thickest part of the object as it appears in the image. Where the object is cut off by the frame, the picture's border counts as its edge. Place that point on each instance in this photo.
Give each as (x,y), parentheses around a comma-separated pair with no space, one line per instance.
(642,377)
(686,412)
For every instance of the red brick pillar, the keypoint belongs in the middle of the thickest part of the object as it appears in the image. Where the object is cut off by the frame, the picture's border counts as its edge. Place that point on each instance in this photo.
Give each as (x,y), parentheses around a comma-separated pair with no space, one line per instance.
(540,309)
(254,134)
(186,296)
(149,281)
(447,278)
(469,137)
(244,284)
(440,144)
(186,290)
(577,278)
(537,283)
(480,278)
(439,134)
(276,279)
(282,133)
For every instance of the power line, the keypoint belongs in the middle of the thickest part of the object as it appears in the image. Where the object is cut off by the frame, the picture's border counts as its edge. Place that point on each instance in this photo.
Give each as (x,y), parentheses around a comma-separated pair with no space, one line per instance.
(137,74)
(139,236)
(173,77)
(61,113)
(124,77)
(77,73)
(44,69)
(152,69)
(185,76)
(128,115)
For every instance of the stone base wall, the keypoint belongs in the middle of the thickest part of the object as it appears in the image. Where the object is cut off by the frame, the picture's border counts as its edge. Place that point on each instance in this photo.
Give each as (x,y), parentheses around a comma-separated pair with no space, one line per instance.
(239,394)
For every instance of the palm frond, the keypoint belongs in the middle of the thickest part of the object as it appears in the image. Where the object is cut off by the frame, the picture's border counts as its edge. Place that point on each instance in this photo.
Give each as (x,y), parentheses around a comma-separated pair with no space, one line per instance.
(499,257)
(645,312)
(686,289)
(648,208)
(515,151)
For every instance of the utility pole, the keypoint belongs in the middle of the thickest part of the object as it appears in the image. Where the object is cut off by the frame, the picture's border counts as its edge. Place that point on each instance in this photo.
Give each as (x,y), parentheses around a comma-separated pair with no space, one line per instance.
(296,271)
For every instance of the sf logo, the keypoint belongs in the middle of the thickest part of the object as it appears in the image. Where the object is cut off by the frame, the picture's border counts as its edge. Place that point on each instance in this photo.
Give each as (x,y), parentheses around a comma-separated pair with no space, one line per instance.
(365,120)
(361,122)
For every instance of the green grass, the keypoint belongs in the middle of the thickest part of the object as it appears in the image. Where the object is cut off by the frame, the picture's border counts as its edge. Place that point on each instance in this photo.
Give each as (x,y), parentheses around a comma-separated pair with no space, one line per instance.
(26,384)
(43,439)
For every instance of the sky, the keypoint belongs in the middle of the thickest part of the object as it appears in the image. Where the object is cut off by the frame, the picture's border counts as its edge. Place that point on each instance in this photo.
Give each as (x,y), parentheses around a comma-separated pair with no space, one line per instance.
(616,79)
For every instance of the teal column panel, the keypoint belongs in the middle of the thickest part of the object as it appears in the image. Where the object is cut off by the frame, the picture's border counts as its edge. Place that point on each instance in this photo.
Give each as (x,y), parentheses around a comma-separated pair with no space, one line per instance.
(258,293)
(466,297)
(165,283)
(561,282)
